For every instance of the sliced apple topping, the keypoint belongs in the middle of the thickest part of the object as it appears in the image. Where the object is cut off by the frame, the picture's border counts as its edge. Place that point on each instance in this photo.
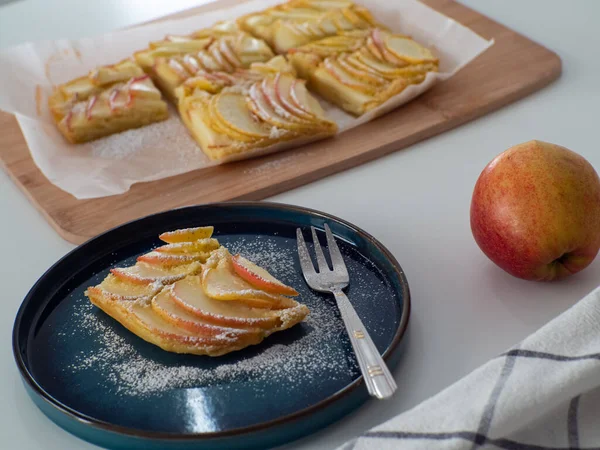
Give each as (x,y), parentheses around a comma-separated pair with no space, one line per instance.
(274,97)
(207,61)
(285,86)
(115,73)
(408,50)
(189,294)
(222,126)
(200,245)
(365,76)
(231,109)
(187,235)
(222,284)
(170,311)
(170,259)
(161,331)
(143,273)
(259,277)
(334,68)
(116,288)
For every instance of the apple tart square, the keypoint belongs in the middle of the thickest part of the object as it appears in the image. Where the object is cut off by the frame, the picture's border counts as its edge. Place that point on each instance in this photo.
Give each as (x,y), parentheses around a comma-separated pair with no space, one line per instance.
(360,71)
(231,115)
(108,100)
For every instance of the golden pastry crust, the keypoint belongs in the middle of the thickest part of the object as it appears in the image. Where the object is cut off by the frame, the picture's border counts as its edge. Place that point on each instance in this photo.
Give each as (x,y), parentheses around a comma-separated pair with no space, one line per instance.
(201,308)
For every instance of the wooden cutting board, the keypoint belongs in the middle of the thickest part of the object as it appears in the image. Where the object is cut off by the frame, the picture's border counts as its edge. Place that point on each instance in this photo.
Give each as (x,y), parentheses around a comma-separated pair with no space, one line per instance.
(511,69)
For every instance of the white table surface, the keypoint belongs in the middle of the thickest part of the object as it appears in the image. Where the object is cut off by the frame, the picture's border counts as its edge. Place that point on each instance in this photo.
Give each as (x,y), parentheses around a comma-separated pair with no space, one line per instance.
(416,201)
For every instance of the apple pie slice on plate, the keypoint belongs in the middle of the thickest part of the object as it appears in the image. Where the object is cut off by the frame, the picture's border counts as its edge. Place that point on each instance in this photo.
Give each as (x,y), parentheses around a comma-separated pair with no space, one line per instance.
(360,71)
(108,100)
(192,296)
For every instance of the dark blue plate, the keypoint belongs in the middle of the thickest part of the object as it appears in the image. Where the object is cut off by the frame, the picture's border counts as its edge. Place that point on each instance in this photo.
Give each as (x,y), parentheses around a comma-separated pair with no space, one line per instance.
(100,382)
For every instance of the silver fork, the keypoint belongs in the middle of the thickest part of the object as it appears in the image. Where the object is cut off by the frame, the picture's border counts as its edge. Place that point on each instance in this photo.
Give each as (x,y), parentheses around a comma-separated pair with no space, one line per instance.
(378,378)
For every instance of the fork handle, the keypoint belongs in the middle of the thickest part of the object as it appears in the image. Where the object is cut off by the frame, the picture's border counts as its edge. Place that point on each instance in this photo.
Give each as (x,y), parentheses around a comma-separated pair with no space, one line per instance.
(378,378)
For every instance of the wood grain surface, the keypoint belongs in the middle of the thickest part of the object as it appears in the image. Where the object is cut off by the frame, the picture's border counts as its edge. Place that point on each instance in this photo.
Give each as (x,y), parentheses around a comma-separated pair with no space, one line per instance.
(511,69)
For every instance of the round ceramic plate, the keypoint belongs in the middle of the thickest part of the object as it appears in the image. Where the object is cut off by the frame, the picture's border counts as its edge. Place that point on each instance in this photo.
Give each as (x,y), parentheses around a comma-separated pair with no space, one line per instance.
(104,384)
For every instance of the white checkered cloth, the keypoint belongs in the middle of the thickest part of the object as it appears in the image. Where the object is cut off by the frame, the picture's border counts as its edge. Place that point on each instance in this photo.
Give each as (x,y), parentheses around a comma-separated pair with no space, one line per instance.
(544,394)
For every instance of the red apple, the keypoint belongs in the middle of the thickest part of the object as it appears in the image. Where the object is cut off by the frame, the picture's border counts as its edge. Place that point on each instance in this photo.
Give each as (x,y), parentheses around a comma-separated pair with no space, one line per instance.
(535,211)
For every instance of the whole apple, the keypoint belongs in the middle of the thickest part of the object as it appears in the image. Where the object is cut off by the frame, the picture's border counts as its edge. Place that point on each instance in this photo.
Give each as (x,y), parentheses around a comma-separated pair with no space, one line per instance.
(535,211)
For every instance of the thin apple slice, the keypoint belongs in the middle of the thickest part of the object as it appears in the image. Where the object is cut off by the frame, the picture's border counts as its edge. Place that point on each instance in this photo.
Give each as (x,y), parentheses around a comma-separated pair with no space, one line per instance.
(216,54)
(222,284)
(304,100)
(284,84)
(355,19)
(259,277)
(148,325)
(189,294)
(187,234)
(330,4)
(407,50)
(170,260)
(357,61)
(342,23)
(200,245)
(191,64)
(143,273)
(345,78)
(363,75)
(327,26)
(207,61)
(376,39)
(260,107)
(216,122)
(170,311)
(114,288)
(179,46)
(231,108)
(142,87)
(113,74)
(382,67)
(269,88)
(229,53)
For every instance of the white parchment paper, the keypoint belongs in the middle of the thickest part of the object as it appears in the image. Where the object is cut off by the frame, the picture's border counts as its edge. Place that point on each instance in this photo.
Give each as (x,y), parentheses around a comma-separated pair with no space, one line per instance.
(109,166)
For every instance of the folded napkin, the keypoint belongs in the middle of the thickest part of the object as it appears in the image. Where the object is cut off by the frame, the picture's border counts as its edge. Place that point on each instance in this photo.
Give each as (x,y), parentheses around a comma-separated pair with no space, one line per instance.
(543,394)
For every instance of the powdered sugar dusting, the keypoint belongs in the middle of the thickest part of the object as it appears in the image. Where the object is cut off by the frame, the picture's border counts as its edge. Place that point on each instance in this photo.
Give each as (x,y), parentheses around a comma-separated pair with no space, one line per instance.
(134,143)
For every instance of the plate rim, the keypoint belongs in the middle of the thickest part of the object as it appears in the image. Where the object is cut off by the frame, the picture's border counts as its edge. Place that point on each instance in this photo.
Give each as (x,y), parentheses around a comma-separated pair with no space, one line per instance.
(101,425)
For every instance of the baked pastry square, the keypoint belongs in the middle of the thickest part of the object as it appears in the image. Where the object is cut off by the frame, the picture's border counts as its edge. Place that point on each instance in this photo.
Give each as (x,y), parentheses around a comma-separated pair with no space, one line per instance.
(360,71)
(108,100)
(265,106)
(213,305)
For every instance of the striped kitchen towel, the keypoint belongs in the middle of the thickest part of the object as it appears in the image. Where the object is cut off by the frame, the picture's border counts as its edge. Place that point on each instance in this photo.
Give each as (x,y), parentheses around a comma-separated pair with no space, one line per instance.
(543,394)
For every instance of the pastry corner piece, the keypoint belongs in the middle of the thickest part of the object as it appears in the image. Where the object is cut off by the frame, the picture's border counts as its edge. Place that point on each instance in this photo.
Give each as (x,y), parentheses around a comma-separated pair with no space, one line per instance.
(192,296)
(360,71)
(108,100)
(238,115)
